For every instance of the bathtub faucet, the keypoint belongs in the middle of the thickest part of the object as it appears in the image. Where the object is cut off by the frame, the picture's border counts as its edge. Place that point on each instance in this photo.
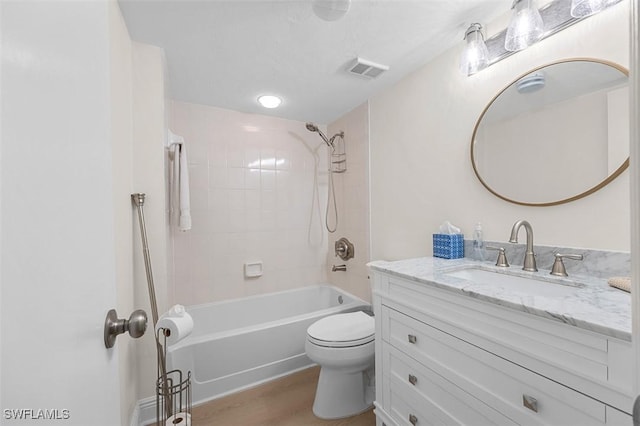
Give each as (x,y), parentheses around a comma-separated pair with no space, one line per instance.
(339,268)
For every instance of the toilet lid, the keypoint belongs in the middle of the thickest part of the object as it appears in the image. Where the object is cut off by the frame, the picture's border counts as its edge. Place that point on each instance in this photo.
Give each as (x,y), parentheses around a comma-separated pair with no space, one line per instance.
(351,329)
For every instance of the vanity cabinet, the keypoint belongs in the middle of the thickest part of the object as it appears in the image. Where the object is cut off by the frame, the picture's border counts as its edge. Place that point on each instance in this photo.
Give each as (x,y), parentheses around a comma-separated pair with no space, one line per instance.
(446,359)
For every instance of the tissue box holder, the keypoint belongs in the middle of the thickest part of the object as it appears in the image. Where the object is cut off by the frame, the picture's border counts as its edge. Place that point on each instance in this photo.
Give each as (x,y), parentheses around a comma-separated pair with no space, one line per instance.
(448,246)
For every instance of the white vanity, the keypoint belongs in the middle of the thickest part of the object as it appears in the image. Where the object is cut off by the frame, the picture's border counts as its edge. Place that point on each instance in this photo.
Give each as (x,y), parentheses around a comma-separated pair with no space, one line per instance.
(456,346)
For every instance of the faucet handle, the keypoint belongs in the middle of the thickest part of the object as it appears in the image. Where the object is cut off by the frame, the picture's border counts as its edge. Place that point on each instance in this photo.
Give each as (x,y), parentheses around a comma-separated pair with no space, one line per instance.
(558,265)
(502,256)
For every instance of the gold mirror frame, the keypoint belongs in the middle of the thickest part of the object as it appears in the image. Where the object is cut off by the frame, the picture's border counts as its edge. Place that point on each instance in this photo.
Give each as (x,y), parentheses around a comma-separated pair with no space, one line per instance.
(589,191)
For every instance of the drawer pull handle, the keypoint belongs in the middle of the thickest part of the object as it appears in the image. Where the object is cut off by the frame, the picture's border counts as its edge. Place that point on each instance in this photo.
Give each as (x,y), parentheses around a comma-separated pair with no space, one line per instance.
(413,419)
(412,338)
(530,402)
(413,379)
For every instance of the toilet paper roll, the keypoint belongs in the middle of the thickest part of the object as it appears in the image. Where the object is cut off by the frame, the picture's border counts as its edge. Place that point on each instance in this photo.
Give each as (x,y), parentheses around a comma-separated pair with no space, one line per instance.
(179,327)
(179,419)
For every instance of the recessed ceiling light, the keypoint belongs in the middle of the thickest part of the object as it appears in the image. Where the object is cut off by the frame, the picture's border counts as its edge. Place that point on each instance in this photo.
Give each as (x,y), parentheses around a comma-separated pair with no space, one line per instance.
(269,101)
(330,10)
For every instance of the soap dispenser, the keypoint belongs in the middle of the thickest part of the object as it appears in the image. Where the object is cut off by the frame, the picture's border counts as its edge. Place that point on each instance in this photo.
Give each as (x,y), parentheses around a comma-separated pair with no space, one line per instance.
(478,243)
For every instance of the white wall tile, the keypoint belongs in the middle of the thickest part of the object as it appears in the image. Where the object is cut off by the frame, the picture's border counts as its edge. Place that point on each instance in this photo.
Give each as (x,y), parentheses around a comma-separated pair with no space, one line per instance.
(235,156)
(252,158)
(235,199)
(252,202)
(218,177)
(267,179)
(268,158)
(235,178)
(352,194)
(218,198)
(252,178)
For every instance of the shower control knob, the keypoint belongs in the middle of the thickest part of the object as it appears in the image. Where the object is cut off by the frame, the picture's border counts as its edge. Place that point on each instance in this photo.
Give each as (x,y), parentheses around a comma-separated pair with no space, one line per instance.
(344,249)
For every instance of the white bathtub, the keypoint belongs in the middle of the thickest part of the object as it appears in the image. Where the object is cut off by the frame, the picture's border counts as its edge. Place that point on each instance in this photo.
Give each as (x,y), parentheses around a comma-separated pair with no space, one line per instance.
(239,343)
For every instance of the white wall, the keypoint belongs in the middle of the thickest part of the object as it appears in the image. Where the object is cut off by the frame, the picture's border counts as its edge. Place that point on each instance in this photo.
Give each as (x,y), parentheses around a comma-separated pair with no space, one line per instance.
(58,247)
(421,171)
(149,133)
(251,180)
(352,193)
(120,72)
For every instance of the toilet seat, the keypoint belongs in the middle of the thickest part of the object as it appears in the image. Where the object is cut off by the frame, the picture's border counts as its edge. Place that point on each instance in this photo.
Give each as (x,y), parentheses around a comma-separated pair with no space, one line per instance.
(342,330)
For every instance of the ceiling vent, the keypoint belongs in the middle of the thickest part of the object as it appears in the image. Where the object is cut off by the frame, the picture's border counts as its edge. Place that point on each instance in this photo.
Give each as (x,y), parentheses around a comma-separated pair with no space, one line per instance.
(363,68)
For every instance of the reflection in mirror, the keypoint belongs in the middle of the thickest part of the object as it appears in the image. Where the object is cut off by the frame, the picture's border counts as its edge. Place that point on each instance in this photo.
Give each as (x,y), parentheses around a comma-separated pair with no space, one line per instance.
(558,133)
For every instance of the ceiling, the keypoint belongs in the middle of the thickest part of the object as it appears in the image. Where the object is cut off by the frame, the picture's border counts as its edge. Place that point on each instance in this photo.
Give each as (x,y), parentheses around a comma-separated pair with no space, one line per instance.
(225,53)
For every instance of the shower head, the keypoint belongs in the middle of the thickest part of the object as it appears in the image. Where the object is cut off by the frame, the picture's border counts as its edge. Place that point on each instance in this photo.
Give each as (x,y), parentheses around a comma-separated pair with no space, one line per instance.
(313,128)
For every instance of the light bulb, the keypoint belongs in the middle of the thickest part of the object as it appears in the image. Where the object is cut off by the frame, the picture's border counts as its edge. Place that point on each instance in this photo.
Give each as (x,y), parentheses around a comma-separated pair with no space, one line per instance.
(269,101)
(584,8)
(475,56)
(525,28)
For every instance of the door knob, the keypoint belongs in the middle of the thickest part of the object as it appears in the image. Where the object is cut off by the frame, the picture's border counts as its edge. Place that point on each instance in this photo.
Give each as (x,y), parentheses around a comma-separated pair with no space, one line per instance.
(136,325)
(636,412)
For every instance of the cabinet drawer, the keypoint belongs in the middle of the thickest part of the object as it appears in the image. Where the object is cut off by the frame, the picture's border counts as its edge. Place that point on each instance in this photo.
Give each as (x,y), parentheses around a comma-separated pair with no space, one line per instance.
(493,380)
(618,418)
(405,409)
(510,333)
(428,395)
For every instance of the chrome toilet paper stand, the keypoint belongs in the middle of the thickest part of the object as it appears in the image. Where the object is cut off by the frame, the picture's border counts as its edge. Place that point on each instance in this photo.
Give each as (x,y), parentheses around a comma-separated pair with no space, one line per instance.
(173,389)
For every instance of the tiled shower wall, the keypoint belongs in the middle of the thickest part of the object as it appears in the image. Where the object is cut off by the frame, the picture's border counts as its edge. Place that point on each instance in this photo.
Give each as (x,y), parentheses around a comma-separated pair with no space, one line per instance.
(253,198)
(352,193)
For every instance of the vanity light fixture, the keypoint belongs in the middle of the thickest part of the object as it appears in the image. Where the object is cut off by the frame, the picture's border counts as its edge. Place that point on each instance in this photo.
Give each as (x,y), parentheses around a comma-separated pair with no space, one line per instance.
(525,27)
(529,25)
(269,101)
(475,56)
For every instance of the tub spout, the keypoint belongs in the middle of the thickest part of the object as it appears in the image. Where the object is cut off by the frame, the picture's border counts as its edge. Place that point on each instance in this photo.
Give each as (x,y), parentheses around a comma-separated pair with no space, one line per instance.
(339,268)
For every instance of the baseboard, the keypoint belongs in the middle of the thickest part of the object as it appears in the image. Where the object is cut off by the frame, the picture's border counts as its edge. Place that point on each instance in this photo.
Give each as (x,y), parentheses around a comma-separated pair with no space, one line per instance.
(144,412)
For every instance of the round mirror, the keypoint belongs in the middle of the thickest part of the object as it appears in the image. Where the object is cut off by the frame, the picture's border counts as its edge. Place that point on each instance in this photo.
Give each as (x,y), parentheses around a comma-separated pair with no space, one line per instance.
(556,134)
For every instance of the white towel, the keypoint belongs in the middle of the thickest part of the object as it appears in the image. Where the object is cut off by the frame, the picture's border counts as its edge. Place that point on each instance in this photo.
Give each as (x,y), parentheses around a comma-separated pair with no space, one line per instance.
(180,199)
(623,283)
(184,224)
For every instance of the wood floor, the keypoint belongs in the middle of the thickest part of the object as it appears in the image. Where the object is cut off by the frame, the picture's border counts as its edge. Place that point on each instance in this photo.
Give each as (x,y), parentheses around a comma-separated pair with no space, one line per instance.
(282,402)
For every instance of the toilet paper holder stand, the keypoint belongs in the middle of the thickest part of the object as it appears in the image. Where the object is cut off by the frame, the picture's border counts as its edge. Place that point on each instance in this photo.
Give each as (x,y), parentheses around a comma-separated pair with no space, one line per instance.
(173,389)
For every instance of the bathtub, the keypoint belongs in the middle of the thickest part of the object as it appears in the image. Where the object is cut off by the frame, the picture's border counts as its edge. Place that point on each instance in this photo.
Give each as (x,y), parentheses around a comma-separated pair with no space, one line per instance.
(240,343)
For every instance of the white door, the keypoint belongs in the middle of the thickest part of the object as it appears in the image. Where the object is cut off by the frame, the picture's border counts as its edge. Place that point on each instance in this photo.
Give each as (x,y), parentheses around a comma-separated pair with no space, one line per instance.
(56,220)
(635,192)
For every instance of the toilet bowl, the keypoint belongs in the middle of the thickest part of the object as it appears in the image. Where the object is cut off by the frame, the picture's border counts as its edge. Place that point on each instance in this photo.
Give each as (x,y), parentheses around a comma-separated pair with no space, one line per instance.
(343,346)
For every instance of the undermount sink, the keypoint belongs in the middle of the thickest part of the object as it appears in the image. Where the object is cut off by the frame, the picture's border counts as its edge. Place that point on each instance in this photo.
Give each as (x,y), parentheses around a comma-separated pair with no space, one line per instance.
(530,284)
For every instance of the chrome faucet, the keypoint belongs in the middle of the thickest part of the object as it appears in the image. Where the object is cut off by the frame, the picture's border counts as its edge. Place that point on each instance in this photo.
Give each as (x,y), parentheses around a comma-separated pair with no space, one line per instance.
(529,255)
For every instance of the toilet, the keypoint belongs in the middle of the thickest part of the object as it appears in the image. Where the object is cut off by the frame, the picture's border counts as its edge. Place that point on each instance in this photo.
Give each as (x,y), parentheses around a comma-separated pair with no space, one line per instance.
(343,346)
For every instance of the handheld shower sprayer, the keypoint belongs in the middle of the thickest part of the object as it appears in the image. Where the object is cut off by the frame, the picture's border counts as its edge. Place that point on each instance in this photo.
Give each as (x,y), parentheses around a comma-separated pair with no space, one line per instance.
(331,195)
(313,128)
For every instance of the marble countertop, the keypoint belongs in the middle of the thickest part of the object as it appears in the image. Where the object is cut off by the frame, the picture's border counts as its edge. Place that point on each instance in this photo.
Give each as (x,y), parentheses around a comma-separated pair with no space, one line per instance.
(589,303)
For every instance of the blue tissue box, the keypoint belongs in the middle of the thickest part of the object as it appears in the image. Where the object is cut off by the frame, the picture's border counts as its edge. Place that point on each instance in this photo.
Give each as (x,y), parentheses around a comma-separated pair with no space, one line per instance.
(448,246)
